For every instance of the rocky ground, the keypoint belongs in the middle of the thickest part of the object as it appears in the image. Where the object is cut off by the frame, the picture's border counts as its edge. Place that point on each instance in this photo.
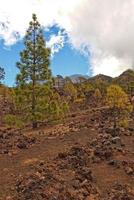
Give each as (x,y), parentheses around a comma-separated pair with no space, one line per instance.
(13,140)
(80,159)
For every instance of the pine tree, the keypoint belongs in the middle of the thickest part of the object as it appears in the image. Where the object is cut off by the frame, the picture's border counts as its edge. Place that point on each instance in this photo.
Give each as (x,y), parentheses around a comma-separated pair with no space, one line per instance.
(33,65)
(97,95)
(120,106)
(70,90)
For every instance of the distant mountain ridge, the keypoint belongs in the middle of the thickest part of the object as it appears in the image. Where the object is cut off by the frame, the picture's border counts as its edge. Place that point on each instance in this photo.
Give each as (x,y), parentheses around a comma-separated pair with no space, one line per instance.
(125,78)
(101,77)
(75,78)
(127,75)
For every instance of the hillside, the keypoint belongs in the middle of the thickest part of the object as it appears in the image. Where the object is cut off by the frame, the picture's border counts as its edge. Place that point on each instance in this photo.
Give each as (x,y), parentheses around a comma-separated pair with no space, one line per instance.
(77,160)
(78,157)
(125,77)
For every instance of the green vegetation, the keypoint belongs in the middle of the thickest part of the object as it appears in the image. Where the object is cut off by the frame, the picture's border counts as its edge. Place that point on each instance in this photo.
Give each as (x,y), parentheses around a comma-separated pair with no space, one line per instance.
(97,95)
(34,69)
(118,102)
(70,90)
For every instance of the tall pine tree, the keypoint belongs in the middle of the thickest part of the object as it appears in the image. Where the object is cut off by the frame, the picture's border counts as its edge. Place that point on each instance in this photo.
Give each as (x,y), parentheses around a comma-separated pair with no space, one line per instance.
(33,65)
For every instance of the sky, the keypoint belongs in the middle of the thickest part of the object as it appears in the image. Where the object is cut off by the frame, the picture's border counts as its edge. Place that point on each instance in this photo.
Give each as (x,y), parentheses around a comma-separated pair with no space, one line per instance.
(86,36)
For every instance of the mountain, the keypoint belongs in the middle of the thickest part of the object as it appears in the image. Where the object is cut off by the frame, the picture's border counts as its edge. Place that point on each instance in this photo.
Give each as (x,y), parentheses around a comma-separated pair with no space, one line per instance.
(76,78)
(101,77)
(126,79)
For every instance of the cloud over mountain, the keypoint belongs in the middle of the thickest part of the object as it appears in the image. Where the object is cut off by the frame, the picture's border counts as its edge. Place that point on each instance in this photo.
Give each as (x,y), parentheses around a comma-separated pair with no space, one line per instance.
(104,29)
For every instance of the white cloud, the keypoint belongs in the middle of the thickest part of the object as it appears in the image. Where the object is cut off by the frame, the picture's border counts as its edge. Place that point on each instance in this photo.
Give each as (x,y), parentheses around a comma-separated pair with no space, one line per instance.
(107,29)
(56,42)
(103,27)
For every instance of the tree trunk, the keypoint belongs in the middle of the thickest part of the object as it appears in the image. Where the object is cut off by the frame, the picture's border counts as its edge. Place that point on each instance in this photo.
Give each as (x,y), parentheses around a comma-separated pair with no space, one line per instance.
(34,123)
